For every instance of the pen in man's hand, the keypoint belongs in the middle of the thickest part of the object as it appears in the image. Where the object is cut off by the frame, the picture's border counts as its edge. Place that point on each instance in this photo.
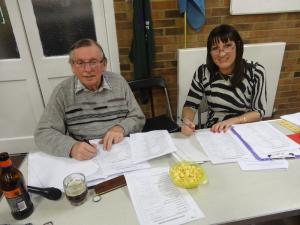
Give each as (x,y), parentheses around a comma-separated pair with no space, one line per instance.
(188,125)
(88,142)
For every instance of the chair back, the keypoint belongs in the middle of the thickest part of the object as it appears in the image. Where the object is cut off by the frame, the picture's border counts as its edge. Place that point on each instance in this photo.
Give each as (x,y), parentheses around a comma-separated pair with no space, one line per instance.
(147,84)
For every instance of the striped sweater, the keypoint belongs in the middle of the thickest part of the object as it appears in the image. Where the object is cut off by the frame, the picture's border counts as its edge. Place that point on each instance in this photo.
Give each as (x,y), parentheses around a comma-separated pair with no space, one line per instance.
(75,113)
(223,100)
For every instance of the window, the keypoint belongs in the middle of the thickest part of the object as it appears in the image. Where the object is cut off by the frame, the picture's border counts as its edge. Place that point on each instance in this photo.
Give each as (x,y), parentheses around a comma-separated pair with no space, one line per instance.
(62,22)
(8,45)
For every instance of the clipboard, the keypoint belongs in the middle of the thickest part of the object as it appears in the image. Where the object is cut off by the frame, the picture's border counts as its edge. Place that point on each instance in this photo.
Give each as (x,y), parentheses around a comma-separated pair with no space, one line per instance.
(285,154)
(110,185)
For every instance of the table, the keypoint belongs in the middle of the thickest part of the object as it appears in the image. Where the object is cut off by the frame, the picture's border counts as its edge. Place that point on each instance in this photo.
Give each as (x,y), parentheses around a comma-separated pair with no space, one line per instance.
(232,196)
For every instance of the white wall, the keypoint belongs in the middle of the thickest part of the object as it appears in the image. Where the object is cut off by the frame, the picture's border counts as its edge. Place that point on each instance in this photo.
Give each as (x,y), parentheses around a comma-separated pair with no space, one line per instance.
(240,7)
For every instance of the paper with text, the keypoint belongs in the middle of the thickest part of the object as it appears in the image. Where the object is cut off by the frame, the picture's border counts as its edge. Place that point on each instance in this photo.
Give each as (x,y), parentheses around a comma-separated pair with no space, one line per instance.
(189,150)
(157,200)
(222,147)
(150,145)
(118,159)
(265,141)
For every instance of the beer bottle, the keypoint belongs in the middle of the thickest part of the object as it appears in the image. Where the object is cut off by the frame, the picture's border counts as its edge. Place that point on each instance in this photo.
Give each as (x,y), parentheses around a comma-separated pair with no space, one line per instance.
(14,188)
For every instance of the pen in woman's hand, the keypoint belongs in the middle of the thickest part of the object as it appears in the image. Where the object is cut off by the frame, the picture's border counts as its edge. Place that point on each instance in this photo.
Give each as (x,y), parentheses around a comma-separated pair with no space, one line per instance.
(189,125)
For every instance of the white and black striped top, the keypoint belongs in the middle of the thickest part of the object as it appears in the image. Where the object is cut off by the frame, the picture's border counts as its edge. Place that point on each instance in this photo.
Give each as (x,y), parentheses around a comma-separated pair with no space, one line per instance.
(225,101)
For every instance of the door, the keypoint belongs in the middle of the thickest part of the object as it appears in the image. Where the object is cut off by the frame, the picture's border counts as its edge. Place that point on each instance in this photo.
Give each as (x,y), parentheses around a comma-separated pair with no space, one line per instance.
(52,26)
(35,37)
(21,103)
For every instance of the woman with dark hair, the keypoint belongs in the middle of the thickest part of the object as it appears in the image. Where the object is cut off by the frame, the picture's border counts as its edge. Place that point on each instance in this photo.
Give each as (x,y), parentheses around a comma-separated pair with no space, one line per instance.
(235,89)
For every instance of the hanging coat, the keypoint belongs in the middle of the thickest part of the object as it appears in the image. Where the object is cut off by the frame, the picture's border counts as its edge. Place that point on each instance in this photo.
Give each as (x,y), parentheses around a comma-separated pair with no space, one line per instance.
(195,12)
(142,47)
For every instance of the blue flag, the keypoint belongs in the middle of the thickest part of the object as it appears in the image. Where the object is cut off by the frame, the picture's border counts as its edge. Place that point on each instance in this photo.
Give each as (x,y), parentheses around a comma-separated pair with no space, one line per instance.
(195,12)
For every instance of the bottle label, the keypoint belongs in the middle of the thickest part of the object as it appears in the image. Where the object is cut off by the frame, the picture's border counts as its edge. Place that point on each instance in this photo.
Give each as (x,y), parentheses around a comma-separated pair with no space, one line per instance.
(16,200)
(6,163)
(17,204)
(12,194)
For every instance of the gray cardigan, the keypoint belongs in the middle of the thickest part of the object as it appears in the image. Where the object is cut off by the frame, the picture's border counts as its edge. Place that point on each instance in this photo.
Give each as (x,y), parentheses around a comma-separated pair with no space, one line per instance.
(73,114)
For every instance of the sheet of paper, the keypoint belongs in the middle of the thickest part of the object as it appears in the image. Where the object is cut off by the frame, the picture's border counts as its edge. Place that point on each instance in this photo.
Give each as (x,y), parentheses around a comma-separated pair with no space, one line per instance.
(150,145)
(118,159)
(288,125)
(157,200)
(189,149)
(264,140)
(222,147)
(49,171)
(96,181)
(293,118)
(264,165)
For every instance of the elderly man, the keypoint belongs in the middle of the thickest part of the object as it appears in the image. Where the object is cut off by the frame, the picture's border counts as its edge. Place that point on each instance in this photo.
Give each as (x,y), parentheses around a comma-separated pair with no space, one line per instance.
(90,105)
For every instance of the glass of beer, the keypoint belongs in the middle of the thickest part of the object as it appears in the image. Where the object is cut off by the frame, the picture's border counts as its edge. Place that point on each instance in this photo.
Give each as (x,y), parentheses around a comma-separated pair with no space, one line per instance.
(75,188)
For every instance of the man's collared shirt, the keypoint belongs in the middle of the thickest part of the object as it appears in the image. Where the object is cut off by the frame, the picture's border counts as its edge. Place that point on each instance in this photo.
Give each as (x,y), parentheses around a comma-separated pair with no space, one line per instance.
(105,85)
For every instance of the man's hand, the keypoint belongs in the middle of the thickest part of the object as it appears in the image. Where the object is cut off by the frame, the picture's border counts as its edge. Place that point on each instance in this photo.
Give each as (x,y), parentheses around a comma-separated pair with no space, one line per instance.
(113,136)
(83,151)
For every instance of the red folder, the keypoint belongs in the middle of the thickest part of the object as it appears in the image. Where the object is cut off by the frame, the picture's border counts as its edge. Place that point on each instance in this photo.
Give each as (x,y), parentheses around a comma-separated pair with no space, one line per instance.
(295,137)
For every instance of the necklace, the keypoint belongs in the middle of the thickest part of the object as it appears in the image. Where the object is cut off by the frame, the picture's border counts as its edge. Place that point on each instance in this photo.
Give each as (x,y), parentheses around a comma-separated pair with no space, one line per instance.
(226,78)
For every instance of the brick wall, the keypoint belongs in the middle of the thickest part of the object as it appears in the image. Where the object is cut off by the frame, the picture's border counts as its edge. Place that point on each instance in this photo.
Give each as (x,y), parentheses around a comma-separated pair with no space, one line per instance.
(169,36)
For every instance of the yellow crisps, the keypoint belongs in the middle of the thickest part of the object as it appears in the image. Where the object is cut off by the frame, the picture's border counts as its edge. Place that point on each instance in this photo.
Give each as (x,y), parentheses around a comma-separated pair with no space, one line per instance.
(187,175)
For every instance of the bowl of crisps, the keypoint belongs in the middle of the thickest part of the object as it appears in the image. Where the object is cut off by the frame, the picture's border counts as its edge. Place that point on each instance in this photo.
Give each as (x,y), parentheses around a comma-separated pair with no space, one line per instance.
(187,175)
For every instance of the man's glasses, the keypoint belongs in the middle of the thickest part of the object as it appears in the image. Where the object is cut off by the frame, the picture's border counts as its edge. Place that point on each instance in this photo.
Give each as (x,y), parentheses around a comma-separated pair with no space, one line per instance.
(92,64)
(227,48)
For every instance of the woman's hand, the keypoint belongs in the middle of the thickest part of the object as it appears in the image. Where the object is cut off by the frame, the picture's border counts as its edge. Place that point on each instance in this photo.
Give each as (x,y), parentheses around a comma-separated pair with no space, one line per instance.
(187,127)
(224,125)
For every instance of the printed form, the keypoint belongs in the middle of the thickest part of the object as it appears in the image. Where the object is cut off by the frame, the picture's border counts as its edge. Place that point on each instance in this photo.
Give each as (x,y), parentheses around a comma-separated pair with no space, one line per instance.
(118,159)
(150,145)
(265,141)
(222,147)
(158,201)
(189,150)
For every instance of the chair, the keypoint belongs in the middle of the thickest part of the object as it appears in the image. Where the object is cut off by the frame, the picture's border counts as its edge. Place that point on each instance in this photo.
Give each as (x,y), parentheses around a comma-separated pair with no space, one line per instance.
(162,122)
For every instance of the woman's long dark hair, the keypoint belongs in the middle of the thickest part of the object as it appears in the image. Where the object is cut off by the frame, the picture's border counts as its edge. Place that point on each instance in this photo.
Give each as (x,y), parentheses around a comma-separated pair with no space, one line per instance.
(225,33)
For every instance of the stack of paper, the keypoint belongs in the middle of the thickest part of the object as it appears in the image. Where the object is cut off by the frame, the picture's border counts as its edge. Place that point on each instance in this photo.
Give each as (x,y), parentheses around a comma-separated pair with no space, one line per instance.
(258,140)
(49,171)
(131,154)
(265,142)
(118,160)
